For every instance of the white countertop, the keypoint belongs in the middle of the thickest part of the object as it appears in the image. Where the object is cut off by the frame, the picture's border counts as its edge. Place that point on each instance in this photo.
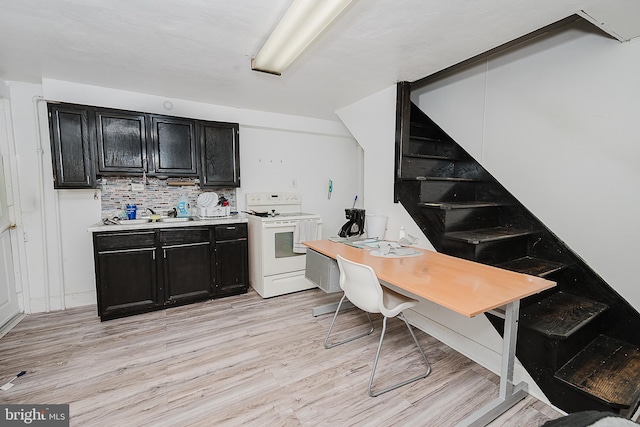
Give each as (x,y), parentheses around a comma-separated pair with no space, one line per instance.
(232,219)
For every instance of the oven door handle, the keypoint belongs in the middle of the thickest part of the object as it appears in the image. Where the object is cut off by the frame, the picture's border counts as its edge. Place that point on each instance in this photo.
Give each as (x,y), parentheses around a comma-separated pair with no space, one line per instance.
(278,225)
(284,224)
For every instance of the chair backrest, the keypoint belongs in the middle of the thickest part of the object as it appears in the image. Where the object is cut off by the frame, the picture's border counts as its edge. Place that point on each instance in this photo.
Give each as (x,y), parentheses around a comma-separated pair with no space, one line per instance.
(360,285)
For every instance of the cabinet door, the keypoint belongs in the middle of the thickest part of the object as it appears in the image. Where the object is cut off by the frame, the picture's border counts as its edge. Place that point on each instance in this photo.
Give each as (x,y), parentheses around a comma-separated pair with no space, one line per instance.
(220,155)
(174,146)
(186,261)
(127,282)
(122,142)
(71,146)
(126,273)
(231,259)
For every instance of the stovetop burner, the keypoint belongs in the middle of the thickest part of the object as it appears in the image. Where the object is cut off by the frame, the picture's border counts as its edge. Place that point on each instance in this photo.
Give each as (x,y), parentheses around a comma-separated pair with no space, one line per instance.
(287,214)
(276,206)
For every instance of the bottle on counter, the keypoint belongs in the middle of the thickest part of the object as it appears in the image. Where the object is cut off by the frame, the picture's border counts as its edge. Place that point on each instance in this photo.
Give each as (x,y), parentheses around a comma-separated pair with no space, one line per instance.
(183,209)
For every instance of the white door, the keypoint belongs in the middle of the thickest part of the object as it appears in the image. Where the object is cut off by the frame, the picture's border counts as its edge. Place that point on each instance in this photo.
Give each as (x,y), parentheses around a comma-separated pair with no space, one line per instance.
(8,297)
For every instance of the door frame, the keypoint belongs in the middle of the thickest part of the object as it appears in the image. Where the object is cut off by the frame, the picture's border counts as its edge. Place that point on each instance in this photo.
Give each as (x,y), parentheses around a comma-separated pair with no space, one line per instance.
(12,311)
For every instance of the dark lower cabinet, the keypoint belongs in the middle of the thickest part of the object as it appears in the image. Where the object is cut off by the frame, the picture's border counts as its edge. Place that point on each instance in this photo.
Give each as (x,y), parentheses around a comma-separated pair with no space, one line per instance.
(232,254)
(126,273)
(186,264)
(144,270)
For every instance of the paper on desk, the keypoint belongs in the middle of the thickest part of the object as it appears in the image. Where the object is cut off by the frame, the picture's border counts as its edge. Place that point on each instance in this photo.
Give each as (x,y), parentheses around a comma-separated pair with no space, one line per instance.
(395,252)
(407,240)
(362,243)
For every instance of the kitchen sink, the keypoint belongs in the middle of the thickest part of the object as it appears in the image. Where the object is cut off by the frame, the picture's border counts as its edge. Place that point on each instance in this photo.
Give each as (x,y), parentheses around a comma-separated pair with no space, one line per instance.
(134,221)
(173,219)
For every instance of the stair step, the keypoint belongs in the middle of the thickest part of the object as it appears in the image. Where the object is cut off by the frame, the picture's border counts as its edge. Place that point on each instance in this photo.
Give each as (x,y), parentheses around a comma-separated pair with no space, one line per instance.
(429,139)
(430,156)
(486,234)
(447,206)
(532,266)
(608,369)
(439,178)
(560,315)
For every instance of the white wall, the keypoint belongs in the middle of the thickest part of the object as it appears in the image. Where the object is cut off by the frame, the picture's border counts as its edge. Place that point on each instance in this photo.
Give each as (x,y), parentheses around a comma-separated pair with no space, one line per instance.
(275,149)
(556,122)
(372,122)
(40,259)
(274,158)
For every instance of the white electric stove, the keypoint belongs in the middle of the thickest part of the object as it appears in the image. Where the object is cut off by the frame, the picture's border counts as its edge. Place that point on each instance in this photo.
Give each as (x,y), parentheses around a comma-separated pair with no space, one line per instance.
(274,267)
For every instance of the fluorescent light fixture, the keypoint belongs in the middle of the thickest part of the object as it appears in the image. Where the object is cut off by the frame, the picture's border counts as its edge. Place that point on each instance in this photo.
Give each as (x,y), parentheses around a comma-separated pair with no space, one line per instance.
(300,25)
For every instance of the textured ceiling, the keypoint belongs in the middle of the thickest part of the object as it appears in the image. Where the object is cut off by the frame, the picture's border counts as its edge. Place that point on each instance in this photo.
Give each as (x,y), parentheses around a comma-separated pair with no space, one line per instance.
(201,49)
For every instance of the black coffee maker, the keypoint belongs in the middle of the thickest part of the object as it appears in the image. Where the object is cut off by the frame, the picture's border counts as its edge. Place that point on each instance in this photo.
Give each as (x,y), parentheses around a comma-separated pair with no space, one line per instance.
(355,224)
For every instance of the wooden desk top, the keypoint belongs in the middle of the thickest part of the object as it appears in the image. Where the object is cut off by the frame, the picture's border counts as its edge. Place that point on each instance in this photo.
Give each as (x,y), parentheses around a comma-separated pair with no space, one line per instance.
(466,287)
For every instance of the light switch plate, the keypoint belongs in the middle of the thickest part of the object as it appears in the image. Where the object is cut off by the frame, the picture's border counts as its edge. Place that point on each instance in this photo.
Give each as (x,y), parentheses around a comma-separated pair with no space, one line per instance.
(137,187)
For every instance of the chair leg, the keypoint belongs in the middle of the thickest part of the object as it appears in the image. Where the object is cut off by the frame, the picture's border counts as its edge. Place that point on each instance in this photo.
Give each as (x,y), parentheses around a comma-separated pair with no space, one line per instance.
(331,345)
(375,363)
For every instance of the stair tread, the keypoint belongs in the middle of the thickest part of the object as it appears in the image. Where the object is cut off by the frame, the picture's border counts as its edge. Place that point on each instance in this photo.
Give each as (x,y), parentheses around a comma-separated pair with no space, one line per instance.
(486,234)
(608,369)
(561,314)
(430,156)
(429,138)
(532,266)
(458,205)
(439,178)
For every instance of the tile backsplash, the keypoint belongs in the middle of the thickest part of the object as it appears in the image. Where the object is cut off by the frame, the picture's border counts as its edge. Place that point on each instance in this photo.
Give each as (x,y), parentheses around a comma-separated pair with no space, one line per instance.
(157,194)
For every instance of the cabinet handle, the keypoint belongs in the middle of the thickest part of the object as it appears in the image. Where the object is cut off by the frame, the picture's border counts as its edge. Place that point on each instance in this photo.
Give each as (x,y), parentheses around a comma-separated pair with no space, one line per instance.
(153,255)
(231,228)
(186,245)
(165,253)
(88,183)
(122,251)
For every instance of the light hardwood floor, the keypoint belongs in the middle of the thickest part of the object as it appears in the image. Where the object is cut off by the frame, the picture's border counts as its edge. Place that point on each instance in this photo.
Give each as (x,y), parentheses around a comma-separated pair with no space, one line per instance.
(237,361)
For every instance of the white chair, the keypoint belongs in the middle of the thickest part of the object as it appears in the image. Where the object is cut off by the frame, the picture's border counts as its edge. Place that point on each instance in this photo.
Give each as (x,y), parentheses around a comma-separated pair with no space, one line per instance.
(362,288)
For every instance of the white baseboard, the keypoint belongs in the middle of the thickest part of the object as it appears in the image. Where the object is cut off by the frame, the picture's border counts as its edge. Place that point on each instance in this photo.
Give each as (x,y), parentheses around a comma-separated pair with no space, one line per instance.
(77,299)
(11,323)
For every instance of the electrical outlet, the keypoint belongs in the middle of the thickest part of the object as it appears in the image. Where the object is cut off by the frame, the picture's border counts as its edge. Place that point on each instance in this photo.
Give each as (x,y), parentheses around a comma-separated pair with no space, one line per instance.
(137,187)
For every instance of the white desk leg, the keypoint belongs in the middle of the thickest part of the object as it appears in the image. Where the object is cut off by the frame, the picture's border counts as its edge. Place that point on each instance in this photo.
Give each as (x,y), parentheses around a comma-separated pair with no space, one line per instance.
(509,394)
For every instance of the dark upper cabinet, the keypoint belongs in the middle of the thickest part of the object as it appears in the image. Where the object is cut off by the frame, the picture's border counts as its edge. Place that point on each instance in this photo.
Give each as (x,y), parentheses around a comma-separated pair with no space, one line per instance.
(88,141)
(174,145)
(122,142)
(220,154)
(72,143)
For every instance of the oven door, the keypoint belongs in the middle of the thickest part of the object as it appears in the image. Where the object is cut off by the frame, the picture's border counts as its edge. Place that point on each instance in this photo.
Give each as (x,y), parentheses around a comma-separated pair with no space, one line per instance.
(277,249)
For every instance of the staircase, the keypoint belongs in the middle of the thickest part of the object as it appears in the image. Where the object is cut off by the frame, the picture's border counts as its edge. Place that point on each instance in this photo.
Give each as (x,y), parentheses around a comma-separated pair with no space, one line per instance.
(580,341)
